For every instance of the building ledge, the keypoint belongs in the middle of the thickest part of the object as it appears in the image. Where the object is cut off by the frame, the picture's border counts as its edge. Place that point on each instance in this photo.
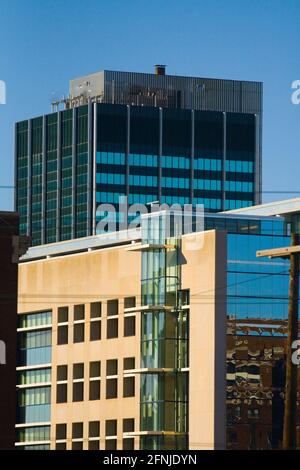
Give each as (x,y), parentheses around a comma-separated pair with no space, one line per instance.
(150,370)
(34,424)
(153,433)
(35,366)
(148,308)
(31,443)
(38,384)
(149,247)
(34,328)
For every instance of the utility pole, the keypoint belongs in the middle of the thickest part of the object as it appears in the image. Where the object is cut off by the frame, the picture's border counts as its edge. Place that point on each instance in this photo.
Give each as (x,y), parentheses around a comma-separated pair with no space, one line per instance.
(290,405)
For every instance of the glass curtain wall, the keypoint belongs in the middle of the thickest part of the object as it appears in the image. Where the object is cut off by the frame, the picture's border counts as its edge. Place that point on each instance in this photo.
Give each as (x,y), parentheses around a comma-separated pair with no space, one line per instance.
(111,160)
(208,155)
(143,156)
(164,340)
(34,380)
(66,175)
(36,180)
(82,172)
(240,160)
(176,157)
(51,177)
(22,173)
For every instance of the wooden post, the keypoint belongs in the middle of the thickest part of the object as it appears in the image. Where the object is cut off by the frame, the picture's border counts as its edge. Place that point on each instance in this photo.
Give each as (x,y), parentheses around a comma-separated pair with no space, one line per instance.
(290,408)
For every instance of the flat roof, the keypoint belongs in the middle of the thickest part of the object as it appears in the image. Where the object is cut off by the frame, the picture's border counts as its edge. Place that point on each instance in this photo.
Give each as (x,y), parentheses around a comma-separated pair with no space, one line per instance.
(77,245)
(283,207)
(171,75)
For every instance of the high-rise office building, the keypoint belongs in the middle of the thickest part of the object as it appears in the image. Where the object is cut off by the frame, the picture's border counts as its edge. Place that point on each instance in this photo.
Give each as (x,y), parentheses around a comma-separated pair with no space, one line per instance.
(148,137)
(122,344)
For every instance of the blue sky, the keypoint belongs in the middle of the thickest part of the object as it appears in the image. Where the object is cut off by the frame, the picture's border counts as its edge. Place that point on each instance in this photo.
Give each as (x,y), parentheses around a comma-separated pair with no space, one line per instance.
(45,43)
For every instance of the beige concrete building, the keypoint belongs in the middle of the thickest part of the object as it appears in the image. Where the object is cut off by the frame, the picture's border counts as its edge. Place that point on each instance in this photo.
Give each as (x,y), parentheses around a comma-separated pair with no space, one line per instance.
(119,347)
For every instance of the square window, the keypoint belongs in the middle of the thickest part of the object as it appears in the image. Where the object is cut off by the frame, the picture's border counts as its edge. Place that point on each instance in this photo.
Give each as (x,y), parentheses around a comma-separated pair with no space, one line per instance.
(77,430)
(111,427)
(95,330)
(129,302)
(94,429)
(78,333)
(95,309)
(78,312)
(61,446)
(62,334)
(112,307)
(94,391)
(61,393)
(128,363)
(77,445)
(128,425)
(111,444)
(112,328)
(62,314)
(111,388)
(94,445)
(128,387)
(62,373)
(129,326)
(128,444)
(61,431)
(78,371)
(77,391)
(112,367)
(95,369)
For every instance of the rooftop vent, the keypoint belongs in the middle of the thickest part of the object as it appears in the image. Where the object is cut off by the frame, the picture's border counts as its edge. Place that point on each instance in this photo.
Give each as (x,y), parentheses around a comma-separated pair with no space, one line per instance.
(160,69)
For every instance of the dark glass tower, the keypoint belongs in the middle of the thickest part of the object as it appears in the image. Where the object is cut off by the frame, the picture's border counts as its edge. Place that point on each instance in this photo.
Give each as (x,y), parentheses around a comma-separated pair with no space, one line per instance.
(148,137)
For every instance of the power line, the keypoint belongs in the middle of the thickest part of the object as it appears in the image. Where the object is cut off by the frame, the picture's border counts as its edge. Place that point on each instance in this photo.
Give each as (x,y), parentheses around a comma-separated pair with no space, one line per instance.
(253,192)
(197,295)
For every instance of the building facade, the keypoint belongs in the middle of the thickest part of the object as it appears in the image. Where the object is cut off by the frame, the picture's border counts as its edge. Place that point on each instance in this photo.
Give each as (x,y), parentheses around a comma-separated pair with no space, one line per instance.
(171,301)
(257,306)
(111,343)
(174,139)
(257,309)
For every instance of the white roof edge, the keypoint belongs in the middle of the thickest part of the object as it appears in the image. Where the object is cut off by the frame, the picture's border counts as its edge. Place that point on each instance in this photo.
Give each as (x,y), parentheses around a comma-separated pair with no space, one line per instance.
(284,206)
(92,242)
